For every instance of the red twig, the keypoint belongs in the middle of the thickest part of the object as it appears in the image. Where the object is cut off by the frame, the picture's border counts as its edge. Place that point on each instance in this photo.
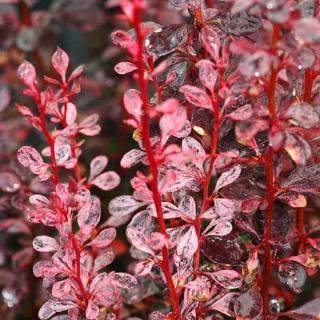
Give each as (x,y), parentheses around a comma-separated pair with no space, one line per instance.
(268,165)
(143,84)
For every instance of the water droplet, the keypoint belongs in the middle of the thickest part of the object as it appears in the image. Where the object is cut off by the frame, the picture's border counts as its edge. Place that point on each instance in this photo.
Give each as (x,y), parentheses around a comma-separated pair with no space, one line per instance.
(9,297)
(274,306)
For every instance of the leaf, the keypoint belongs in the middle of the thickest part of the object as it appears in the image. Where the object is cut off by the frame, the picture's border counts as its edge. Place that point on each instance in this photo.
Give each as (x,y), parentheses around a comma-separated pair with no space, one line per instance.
(71,113)
(132,158)
(97,165)
(223,304)
(138,240)
(123,280)
(224,208)
(228,279)
(196,96)
(171,123)
(187,243)
(211,41)
(228,177)
(62,288)
(45,244)
(45,269)
(46,311)
(62,153)
(133,103)
(303,115)
(222,250)
(309,311)
(39,200)
(207,74)
(103,260)
(104,238)
(167,39)
(60,62)
(221,229)
(188,207)
(27,73)
(89,215)
(29,156)
(304,179)
(248,305)
(169,210)
(107,180)
(241,114)
(298,148)
(92,311)
(124,205)
(124,67)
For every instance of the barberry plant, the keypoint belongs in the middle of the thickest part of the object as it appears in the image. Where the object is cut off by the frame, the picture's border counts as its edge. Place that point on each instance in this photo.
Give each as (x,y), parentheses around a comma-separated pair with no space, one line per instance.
(72,275)
(225,115)
(222,220)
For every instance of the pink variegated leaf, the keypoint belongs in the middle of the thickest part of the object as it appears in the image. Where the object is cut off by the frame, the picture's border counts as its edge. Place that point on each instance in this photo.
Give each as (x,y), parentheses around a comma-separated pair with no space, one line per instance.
(207,74)
(156,241)
(124,205)
(124,67)
(224,304)
(62,152)
(196,96)
(24,110)
(89,215)
(45,269)
(224,208)
(92,311)
(46,311)
(133,103)
(62,288)
(123,280)
(249,304)
(228,177)
(241,114)
(122,39)
(138,240)
(27,73)
(104,238)
(143,268)
(45,244)
(199,289)
(188,207)
(107,180)
(103,260)
(76,73)
(70,112)
(29,156)
(172,123)
(228,279)
(39,200)
(132,158)
(188,243)
(97,165)
(211,41)
(60,62)
(168,106)
(169,210)
(308,311)
(221,229)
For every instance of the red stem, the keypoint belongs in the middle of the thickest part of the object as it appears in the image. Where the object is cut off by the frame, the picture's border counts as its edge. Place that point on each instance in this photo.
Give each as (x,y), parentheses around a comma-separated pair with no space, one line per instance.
(308,83)
(55,180)
(143,84)
(270,196)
